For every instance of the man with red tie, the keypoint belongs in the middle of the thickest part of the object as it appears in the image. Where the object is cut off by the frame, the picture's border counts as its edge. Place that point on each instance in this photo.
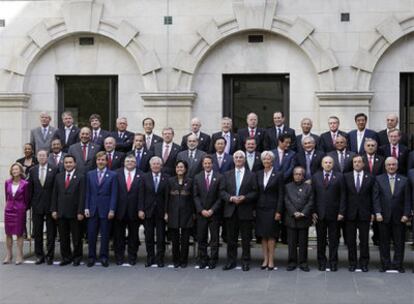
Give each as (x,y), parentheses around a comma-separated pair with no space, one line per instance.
(167,151)
(84,151)
(396,150)
(252,131)
(115,158)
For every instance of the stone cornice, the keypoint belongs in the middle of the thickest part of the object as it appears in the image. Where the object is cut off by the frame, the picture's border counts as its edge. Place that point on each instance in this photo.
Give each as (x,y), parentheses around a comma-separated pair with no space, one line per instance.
(168,99)
(344,99)
(14,100)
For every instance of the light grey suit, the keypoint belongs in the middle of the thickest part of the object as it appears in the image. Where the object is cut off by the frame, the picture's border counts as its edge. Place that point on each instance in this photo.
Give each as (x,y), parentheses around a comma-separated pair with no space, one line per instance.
(194,165)
(37,139)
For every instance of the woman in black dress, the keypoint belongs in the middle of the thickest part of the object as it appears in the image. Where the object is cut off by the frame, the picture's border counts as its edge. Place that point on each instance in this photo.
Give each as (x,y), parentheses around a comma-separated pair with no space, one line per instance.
(269,207)
(29,160)
(180,213)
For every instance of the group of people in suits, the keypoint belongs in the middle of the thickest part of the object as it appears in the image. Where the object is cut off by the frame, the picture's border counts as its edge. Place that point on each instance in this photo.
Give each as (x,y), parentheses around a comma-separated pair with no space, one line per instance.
(92,182)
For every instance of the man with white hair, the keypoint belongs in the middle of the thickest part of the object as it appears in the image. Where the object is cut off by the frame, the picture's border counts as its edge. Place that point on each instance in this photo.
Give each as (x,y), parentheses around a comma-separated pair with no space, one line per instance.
(392,123)
(41,136)
(306,125)
(231,139)
(252,131)
(123,137)
(202,138)
(193,156)
(69,133)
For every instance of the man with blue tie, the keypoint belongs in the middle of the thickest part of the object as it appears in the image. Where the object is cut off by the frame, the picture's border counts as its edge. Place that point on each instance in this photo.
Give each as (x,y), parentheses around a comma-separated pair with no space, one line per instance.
(358,136)
(284,157)
(100,206)
(232,140)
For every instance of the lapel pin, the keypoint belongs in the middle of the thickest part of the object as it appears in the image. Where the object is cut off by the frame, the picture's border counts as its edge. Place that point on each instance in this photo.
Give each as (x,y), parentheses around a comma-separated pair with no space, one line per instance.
(106,175)
(214,179)
(74,176)
(137,176)
(273,174)
(398,179)
(145,153)
(50,169)
(366,176)
(258,133)
(201,138)
(300,189)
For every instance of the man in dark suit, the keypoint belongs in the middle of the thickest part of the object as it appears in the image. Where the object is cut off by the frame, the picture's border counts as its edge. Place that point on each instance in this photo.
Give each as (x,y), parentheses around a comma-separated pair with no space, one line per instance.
(167,151)
(396,150)
(98,135)
(357,137)
(208,185)
(359,213)
(42,179)
(150,138)
(84,151)
(115,158)
(239,196)
(55,158)
(222,161)
(68,200)
(69,134)
(392,206)
(41,137)
(410,176)
(252,131)
(204,139)
(341,156)
(272,134)
(232,140)
(392,123)
(308,157)
(284,157)
(192,156)
(253,162)
(153,192)
(306,126)
(127,214)
(123,137)
(328,138)
(100,206)
(330,206)
(141,153)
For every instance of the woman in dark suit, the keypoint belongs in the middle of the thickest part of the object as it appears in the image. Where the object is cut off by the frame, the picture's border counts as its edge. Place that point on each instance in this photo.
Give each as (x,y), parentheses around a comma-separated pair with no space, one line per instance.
(180,213)
(17,200)
(269,207)
(29,160)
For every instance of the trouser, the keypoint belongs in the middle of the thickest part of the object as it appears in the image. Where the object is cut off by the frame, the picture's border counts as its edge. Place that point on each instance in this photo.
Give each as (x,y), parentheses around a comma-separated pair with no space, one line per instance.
(362,227)
(234,225)
(120,227)
(180,239)
(324,229)
(38,223)
(204,225)
(70,228)
(396,233)
(103,224)
(157,224)
(297,237)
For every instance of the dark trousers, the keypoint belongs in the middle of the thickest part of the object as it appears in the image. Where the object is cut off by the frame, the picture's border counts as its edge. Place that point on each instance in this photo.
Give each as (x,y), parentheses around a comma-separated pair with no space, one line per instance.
(203,227)
(297,237)
(396,233)
(103,224)
(70,228)
(351,232)
(324,229)
(157,224)
(234,225)
(38,223)
(120,227)
(180,239)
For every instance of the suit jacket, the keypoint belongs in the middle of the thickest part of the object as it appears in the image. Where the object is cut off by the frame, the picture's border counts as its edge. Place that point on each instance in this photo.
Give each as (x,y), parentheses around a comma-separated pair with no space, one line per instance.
(348,166)
(99,140)
(154,140)
(180,204)
(271,196)
(84,165)
(257,164)
(41,196)
(117,161)
(271,140)
(51,161)
(204,142)
(287,164)
(359,205)
(206,199)
(70,202)
(410,161)
(146,155)
(378,164)
(234,142)
(248,188)
(353,140)
(298,198)
(402,156)
(72,139)
(101,197)
(316,161)
(392,206)
(330,200)
(226,164)
(383,138)
(129,202)
(243,134)
(410,176)
(38,141)
(123,144)
(154,201)
(299,137)
(195,165)
(326,141)
(169,164)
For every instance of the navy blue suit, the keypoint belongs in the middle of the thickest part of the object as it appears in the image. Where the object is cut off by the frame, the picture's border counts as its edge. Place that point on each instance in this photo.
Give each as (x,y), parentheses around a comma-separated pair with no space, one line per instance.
(353,140)
(100,200)
(227,163)
(287,165)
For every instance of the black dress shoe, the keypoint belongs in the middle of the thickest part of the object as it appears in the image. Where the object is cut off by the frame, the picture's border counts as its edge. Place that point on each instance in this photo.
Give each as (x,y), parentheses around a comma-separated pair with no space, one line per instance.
(76,263)
(90,263)
(304,268)
(401,269)
(65,262)
(212,265)
(132,262)
(39,261)
(229,266)
(364,268)
(246,267)
(291,268)
(149,262)
(49,261)
(263,267)
(270,268)
(183,265)
(202,265)
(104,263)
(160,264)
(322,268)
(119,262)
(352,268)
(334,268)
(383,268)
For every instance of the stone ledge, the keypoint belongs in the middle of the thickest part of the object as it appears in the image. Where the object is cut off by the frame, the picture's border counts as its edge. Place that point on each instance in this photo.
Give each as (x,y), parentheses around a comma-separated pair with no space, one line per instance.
(344,99)
(14,100)
(168,99)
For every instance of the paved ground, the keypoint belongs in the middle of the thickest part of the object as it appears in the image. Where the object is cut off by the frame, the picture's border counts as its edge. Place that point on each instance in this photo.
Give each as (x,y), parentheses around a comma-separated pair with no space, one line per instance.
(43,284)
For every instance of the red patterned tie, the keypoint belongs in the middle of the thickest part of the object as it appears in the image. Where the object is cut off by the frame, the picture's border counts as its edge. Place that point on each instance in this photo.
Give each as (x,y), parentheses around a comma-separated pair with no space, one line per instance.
(84,152)
(370,163)
(129,181)
(110,160)
(208,181)
(67,181)
(251,133)
(394,152)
